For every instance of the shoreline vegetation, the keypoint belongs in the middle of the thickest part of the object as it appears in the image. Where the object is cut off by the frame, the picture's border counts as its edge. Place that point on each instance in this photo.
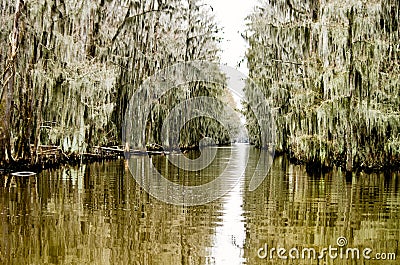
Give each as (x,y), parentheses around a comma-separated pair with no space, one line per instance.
(52,157)
(329,71)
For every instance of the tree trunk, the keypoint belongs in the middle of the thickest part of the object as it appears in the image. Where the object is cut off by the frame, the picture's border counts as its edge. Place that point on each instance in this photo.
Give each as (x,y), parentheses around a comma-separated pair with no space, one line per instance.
(9,82)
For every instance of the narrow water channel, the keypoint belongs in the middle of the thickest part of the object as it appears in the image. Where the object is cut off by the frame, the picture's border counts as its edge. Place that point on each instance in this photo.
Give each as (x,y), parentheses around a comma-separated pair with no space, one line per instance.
(98,214)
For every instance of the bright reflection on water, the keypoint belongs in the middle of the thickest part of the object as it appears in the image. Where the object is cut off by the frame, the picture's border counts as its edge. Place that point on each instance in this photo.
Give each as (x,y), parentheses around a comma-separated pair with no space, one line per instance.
(230,234)
(97,214)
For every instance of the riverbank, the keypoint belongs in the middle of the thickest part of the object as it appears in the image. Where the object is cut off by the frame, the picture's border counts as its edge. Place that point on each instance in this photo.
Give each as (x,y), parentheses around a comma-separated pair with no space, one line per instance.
(316,167)
(357,164)
(52,157)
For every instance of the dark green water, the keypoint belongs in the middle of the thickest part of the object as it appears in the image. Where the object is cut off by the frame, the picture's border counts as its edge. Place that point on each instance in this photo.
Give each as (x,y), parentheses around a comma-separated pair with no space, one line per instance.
(98,214)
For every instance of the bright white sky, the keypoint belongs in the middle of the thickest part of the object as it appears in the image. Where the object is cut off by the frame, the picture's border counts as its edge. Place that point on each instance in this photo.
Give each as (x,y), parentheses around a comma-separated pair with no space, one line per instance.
(231,15)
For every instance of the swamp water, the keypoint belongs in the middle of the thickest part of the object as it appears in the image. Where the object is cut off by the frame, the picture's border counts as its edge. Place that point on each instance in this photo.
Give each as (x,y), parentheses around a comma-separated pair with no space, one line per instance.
(98,214)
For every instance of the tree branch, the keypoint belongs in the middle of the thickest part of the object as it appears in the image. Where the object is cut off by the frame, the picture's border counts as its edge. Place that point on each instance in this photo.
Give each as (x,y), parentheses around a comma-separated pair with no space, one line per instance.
(130,18)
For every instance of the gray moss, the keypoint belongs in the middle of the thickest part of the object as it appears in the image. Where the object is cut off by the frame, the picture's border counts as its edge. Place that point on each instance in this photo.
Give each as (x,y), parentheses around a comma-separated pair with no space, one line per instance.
(331,69)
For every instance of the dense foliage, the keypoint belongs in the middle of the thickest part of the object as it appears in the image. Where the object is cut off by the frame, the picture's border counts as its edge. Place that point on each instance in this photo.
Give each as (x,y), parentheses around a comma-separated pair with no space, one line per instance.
(69,68)
(330,70)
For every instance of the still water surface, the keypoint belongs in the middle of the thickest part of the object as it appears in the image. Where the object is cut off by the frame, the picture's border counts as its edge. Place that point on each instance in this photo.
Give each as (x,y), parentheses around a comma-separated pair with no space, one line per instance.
(98,214)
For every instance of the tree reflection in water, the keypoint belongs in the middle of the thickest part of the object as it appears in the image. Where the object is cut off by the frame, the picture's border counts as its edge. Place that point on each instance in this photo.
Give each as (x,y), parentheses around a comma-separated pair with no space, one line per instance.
(97,214)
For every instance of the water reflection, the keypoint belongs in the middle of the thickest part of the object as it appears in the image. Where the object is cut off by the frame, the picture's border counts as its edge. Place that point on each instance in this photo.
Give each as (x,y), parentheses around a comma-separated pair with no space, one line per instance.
(230,235)
(97,214)
(292,209)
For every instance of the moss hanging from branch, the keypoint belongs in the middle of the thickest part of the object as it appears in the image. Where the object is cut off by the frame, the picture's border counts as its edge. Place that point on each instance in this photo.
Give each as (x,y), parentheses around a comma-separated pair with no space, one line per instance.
(79,62)
(330,69)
